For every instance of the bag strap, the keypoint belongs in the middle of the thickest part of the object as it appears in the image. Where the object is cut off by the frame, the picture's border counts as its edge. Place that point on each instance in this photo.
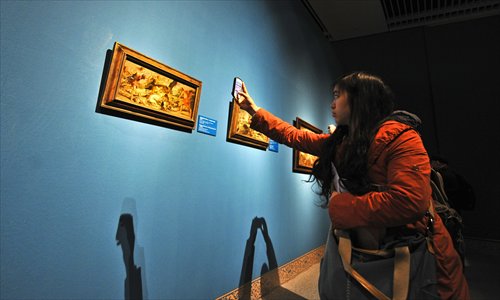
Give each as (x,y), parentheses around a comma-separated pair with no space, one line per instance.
(438,190)
(401,278)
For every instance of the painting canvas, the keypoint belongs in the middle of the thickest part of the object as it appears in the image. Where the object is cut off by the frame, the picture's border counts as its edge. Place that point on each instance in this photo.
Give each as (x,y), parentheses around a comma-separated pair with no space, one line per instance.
(239,130)
(304,162)
(143,87)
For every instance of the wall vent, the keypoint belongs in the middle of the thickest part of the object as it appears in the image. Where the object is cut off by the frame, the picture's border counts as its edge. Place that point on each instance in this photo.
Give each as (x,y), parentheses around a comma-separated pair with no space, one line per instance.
(402,14)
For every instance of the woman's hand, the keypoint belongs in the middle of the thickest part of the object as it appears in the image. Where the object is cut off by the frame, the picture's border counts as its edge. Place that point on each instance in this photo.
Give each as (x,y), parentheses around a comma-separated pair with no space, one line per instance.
(246,102)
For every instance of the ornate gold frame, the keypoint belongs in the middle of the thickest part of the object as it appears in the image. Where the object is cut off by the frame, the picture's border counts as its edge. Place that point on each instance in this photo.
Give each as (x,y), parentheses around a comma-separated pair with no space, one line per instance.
(239,130)
(303,162)
(140,86)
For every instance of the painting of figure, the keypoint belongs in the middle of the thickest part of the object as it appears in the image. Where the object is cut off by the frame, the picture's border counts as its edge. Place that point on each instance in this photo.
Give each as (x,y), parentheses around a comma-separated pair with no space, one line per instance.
(145,88)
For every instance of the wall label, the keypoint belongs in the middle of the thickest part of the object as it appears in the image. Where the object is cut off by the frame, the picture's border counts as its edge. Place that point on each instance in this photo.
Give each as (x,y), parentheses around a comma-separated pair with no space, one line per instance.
(207,125)
(273,146)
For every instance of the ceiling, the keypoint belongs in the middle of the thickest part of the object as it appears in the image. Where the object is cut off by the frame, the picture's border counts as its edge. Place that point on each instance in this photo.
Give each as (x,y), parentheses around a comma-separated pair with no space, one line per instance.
(346,19)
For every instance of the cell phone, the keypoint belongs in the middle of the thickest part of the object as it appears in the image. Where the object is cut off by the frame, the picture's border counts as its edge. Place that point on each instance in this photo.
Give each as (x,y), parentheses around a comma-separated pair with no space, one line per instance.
(237,87)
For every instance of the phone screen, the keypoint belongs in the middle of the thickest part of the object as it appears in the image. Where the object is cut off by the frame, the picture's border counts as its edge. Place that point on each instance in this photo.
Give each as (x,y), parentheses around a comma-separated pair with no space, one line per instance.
(237,87)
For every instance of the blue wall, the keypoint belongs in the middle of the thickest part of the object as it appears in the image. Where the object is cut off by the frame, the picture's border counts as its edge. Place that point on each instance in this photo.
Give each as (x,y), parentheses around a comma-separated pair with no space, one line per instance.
(67,172)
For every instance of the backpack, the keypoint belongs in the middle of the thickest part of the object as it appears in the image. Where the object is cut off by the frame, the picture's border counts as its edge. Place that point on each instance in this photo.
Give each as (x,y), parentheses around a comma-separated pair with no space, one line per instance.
(443,206)
(460,193)
(450,217)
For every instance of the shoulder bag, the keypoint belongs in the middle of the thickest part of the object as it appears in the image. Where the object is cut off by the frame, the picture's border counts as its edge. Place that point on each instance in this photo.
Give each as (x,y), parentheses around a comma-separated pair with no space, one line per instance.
(402,269)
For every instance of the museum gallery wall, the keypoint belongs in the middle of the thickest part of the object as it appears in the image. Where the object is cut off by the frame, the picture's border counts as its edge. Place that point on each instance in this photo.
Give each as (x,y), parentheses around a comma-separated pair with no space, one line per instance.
(78,177)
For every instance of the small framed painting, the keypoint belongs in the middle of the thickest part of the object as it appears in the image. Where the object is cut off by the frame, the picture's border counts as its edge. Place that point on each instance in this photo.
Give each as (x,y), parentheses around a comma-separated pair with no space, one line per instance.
(239,131)
(304,162)
(143,87)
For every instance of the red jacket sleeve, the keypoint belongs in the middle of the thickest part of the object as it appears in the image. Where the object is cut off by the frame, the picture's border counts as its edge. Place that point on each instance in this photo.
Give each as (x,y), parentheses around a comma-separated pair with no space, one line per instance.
(406,198)
(285,133)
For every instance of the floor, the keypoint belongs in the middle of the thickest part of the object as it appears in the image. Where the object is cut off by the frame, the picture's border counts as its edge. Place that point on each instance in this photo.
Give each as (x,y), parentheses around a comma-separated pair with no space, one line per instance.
(482,271)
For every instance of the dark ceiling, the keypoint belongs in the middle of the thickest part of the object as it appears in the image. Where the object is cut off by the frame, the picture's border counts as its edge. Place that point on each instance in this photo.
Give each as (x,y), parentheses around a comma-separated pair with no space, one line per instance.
(346,19)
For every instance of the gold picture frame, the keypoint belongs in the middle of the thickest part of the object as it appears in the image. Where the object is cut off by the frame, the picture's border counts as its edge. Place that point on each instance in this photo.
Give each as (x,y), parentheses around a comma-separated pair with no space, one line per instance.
(239,131)
(139,86)
(304,162)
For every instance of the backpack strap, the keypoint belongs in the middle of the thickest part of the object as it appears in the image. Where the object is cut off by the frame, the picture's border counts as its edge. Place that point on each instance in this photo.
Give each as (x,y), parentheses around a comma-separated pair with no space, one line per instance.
(438,187)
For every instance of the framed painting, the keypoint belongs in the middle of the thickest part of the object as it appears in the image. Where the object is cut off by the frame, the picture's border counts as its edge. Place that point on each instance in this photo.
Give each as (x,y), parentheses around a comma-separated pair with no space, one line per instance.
(304,162)
(143,87)
(239,131)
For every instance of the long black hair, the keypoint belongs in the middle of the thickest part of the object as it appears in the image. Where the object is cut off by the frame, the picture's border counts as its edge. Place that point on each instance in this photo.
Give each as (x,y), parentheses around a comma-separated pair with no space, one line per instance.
(370,101)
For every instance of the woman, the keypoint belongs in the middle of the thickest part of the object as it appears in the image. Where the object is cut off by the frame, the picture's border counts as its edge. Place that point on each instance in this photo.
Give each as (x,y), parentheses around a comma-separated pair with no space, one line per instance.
(372,146)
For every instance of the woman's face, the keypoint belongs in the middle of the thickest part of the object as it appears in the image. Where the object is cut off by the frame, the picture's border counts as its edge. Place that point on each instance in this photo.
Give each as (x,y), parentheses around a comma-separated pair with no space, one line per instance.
(341,110)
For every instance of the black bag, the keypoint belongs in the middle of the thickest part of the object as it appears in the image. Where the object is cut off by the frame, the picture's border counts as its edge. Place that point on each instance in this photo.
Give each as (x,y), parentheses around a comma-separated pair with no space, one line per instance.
(371,273)
(460,193)
(450,217)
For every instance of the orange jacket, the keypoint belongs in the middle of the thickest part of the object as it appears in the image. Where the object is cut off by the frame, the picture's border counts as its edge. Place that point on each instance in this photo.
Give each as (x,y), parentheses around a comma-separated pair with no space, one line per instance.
(397,160)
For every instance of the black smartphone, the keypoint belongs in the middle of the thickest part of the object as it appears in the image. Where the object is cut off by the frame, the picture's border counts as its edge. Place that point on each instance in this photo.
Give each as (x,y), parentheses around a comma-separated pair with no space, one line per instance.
(237,87)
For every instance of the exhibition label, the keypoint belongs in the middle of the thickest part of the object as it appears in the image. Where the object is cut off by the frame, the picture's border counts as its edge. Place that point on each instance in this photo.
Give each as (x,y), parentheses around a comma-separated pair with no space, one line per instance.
(207,125)
(273,146)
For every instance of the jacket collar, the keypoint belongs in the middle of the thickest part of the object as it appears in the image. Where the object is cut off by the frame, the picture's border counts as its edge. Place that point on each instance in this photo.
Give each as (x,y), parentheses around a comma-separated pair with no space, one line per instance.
(405,118)
(389,129)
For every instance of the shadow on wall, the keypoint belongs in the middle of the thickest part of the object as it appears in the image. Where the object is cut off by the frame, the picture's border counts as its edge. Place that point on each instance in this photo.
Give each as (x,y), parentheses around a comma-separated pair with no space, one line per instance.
(135,286)
(271,268)
(270,287)
(126,238)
